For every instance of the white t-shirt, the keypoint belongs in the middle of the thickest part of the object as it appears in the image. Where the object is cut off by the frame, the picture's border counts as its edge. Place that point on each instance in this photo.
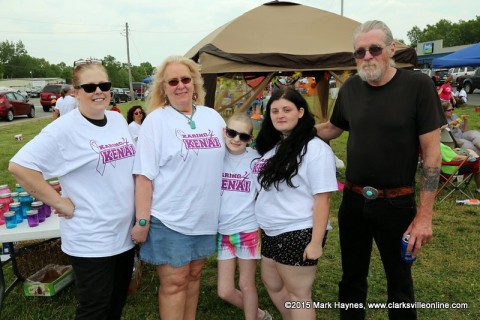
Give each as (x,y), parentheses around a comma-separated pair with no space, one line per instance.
(237,207)
(134,130)
(185,167)
(65,105)
(462,94)
(94,166)
(290,209)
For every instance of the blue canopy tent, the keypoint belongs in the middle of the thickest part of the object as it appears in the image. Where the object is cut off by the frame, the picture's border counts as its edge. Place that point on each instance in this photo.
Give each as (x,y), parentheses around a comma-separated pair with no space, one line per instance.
(466,57)
(148,79)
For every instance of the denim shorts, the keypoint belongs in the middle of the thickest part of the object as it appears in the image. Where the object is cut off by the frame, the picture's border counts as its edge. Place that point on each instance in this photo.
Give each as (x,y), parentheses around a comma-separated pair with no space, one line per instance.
(166,246)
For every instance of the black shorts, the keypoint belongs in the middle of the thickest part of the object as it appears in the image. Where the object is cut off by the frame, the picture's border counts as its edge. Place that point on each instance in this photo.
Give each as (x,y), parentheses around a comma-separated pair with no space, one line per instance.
(287,248)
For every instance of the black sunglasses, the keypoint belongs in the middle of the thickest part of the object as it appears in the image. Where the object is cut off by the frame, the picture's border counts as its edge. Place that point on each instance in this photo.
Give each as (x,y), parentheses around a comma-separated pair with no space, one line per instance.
(137,113)
(374,51)
(448,110)
(91,87)
(245,137)
(175,82)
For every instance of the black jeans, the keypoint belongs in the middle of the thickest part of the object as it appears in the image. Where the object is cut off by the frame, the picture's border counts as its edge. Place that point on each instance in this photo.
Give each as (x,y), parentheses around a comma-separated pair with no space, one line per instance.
(102,285)
(360,222)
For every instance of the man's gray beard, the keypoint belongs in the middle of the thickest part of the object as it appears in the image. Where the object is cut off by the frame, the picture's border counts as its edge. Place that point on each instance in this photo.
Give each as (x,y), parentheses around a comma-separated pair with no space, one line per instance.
(374,76)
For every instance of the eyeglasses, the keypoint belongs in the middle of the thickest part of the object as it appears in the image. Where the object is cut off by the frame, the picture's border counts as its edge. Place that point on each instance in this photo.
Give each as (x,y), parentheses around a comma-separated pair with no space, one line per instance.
(87,61)
(91,87)
(374,51)
(245,137)
(449,110)
(137,113)
(175,82)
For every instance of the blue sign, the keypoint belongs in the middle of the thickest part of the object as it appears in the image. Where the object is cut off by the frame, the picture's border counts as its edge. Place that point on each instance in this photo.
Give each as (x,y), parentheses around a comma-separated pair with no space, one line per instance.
(428,47)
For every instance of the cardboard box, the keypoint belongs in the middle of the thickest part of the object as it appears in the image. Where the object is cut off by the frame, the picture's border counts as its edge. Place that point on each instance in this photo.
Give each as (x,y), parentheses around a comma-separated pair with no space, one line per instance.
(48,281)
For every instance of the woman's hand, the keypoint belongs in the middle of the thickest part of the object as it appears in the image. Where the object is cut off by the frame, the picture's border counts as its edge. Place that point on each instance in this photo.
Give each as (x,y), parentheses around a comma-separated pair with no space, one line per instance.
(64,208)
(139,233)
(313,251)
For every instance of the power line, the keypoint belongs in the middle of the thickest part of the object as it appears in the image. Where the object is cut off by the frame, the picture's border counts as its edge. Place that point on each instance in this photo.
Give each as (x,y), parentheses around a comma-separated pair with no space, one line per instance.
(59,32)
(59,23)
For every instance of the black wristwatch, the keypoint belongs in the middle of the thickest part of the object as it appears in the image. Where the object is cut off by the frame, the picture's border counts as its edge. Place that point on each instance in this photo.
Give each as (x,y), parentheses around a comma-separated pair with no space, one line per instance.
(143,222)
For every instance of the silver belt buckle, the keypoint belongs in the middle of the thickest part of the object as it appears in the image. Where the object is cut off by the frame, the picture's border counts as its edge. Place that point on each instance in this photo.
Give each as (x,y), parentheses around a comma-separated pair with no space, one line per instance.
(370,193)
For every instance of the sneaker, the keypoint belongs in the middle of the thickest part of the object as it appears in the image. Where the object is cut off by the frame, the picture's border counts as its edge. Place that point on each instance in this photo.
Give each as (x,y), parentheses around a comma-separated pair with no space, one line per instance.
(267,315)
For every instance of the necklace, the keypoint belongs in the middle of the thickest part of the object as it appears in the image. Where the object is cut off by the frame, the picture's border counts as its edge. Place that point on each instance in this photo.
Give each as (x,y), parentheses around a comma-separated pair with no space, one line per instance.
(190,119)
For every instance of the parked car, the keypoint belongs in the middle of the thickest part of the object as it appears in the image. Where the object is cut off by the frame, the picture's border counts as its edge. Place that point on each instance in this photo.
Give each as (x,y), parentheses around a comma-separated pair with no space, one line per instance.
(24,94)
(117,95)
(34,93)
(14,104)
(461,71)
(139,88)
(438,76)
(472,82)
(49,92)
(127,91)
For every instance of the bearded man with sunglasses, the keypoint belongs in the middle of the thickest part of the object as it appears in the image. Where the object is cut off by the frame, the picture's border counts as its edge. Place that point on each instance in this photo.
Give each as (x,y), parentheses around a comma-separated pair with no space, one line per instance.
(389,113)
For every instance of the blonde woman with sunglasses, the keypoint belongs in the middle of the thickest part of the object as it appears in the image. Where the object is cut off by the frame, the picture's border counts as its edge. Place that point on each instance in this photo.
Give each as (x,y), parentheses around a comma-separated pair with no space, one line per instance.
(179,166)
(90,152)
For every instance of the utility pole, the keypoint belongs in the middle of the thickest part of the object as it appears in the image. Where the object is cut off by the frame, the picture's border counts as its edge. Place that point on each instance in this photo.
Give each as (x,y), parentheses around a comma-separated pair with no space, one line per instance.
(132,93)
(341,12)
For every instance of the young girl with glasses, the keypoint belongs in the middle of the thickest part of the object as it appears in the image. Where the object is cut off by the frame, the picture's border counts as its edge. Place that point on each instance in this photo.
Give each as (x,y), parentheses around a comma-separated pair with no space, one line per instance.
(238,234)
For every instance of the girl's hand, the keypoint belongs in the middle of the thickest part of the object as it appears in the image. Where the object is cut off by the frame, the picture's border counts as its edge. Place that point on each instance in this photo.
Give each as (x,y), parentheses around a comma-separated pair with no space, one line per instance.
(313,251)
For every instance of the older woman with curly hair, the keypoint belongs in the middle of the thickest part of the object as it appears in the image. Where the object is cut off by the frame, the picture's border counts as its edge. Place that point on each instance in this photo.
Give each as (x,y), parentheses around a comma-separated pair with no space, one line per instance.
(135,118)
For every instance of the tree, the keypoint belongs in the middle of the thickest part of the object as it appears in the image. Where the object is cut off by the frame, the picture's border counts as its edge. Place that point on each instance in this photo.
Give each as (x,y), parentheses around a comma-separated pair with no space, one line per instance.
(414,36)
(453,34)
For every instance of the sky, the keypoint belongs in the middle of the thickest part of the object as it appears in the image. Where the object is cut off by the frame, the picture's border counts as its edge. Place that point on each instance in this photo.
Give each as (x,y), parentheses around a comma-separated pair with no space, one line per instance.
(65,31)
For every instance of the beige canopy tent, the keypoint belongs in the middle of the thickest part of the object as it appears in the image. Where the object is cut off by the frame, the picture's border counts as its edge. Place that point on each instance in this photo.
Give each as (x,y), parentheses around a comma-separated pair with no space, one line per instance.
(283,37)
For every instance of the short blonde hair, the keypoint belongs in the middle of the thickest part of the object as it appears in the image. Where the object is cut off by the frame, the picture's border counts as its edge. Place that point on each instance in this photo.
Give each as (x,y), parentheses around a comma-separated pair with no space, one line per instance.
(242,117)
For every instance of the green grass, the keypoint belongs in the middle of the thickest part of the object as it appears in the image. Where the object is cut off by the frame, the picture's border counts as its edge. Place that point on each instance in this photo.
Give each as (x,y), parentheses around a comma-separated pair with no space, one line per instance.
(447,270)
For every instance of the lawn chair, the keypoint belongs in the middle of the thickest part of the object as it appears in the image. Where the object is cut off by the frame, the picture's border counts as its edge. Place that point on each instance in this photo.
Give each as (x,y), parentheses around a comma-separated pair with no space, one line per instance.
(457,182)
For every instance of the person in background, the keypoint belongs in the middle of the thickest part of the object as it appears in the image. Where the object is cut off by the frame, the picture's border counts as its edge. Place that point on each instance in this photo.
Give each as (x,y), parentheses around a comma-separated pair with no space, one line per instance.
(446,90)
(53,104)
(66,102)
(178,167)
(238,236)
(379,196)
(296,177)
(460,96)
(135,118)
(115,108)
(458,155)
(97,202)
(467,139)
